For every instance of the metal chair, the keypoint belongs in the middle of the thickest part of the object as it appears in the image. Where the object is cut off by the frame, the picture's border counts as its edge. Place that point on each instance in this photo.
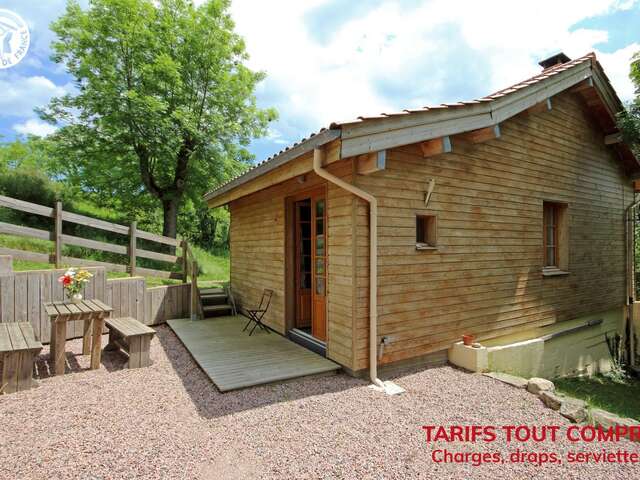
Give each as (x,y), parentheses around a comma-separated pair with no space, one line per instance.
(256,315)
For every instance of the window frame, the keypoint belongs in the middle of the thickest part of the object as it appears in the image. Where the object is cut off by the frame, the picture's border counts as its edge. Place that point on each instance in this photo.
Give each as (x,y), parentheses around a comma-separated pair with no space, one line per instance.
(560,263)
(545,227)
(429,239)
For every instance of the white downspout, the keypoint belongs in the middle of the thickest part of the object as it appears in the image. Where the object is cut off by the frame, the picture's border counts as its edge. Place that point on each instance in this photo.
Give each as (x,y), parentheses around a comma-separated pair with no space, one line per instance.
(318,158)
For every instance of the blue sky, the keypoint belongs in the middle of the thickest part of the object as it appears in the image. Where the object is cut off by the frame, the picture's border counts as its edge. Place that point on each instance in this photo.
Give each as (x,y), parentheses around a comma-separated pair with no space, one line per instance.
(329,60)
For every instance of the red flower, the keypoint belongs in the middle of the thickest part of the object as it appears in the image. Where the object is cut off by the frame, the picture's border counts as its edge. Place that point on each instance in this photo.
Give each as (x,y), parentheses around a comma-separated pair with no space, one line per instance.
(66,280)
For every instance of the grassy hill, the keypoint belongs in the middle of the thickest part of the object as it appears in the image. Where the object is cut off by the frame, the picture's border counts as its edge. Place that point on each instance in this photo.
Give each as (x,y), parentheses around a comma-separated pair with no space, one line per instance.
(213,268)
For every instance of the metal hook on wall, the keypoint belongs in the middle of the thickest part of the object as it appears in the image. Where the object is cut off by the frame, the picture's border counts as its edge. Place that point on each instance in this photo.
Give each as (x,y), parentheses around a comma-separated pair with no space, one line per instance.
(430,186)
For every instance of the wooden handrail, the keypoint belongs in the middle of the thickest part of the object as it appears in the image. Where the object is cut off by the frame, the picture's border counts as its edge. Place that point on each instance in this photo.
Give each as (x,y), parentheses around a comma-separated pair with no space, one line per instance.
(195,297)
(191,272)
(28,207)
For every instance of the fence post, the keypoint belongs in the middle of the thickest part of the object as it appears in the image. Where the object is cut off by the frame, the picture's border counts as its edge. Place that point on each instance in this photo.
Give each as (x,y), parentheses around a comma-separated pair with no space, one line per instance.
(194,290)
(185,260)
(58,235)
(132,248)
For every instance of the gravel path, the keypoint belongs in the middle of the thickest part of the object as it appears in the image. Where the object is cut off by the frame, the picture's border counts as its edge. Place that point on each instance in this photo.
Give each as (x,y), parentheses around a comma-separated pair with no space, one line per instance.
(168,421)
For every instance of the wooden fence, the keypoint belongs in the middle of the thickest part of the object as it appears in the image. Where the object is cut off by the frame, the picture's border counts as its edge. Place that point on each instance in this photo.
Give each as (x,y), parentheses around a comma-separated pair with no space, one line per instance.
(23,293)
(59,238)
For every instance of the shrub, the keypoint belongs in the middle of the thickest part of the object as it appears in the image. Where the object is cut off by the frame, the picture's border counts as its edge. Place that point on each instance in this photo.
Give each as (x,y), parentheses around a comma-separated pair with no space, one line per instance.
(30,186)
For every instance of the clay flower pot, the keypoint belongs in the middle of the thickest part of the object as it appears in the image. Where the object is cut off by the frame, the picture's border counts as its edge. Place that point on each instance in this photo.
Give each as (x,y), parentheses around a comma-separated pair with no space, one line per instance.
(468,339)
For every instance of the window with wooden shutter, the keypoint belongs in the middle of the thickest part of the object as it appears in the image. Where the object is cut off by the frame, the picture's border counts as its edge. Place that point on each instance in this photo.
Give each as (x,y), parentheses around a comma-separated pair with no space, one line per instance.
(555,234)
(550,235)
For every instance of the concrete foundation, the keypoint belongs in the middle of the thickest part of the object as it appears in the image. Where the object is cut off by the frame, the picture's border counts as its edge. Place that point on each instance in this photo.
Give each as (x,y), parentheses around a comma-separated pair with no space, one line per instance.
(545,352)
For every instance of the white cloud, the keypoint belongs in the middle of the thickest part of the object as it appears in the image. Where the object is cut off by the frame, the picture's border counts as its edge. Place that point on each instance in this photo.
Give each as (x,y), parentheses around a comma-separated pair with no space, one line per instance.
(34,127)
(275,136)
(419,52)
(20,95)
(616,66)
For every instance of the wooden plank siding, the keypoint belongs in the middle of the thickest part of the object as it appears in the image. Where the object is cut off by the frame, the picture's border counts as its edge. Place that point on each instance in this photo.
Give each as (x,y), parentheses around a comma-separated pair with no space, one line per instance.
(486,277)
(23,293)
(257,240)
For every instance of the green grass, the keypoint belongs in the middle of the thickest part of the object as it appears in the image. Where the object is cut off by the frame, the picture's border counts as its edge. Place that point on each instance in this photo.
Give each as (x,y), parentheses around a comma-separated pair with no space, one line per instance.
(619,397)
(213,268)
(87,208)
(29,244)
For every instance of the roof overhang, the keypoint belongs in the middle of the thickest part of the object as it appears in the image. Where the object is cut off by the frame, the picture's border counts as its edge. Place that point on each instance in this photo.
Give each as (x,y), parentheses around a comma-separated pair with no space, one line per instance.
(404,129)
(286,156)
(374,134)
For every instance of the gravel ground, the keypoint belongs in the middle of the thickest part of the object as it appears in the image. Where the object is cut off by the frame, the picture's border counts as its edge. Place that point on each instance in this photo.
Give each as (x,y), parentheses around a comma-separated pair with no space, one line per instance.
(169,421)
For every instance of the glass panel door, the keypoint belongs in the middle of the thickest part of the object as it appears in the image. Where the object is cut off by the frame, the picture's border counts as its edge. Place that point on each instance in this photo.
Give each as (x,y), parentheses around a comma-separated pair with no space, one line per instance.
(318,320)
(303,225)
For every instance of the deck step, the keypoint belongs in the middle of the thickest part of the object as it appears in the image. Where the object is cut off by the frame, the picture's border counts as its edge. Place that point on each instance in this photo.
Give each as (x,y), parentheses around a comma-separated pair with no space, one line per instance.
(213,295)
(214,302)
(213,299)
(211,290)
(216,308)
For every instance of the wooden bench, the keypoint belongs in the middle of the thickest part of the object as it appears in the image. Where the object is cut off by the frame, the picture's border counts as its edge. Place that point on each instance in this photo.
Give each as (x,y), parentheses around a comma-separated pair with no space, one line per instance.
(133,337)
(18,351)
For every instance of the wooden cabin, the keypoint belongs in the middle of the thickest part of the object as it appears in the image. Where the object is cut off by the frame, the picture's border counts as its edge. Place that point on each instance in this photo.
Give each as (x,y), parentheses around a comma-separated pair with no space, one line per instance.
(494,216)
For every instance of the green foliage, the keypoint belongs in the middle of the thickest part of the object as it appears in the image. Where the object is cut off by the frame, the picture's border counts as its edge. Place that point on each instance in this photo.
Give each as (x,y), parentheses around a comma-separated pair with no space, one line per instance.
(212,267)
(27,154)
(165,106)
(629,119)
(24,168)
(203,226)
(30,186)
(616,396)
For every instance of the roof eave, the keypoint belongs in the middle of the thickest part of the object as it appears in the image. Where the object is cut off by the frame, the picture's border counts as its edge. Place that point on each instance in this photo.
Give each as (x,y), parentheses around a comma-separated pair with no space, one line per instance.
(301,148)
(366,135)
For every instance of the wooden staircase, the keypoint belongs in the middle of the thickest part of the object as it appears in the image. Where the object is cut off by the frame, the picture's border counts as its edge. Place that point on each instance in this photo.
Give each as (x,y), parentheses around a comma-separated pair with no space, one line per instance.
(214,302)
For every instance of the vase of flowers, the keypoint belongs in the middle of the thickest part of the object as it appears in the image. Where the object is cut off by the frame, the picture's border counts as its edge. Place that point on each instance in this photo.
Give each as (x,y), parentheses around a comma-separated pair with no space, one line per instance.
(73,281)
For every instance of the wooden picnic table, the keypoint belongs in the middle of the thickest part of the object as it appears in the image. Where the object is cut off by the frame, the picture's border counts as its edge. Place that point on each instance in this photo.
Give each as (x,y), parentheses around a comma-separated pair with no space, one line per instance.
(93,313)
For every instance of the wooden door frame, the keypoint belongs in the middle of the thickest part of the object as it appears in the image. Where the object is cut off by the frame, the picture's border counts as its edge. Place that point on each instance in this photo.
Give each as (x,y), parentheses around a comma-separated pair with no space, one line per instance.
(290,253)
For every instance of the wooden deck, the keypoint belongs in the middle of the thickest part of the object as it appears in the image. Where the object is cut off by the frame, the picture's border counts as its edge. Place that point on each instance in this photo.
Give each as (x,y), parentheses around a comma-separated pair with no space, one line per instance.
(232,359)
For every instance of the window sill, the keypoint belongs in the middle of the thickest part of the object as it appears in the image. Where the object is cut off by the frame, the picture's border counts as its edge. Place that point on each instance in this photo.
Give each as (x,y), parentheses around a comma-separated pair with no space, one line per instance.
(425,246)
(553,272)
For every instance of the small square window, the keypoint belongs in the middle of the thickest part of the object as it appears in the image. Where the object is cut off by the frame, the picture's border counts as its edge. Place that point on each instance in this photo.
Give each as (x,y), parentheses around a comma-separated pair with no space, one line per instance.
(426,232)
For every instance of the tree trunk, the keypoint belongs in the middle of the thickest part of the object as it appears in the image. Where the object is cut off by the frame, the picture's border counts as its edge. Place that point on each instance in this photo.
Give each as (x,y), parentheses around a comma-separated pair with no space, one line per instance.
(226,237)
(214,229)
(170,220)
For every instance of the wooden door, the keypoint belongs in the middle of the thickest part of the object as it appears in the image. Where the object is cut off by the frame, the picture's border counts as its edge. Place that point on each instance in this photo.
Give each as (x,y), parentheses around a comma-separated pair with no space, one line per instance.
(319,267)
(303,263)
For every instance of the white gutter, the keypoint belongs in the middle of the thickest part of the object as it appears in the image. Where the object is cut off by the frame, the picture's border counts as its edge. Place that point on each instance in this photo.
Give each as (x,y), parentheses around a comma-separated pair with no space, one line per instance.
(318,158)
(630,278)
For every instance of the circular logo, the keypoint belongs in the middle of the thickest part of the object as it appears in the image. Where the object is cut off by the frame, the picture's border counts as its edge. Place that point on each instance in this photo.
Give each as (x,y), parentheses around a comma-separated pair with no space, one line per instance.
(14,38)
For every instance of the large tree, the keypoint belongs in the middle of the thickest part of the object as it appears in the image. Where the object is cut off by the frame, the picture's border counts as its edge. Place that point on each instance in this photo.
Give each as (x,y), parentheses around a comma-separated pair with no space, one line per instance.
(629,119)
(164,105)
